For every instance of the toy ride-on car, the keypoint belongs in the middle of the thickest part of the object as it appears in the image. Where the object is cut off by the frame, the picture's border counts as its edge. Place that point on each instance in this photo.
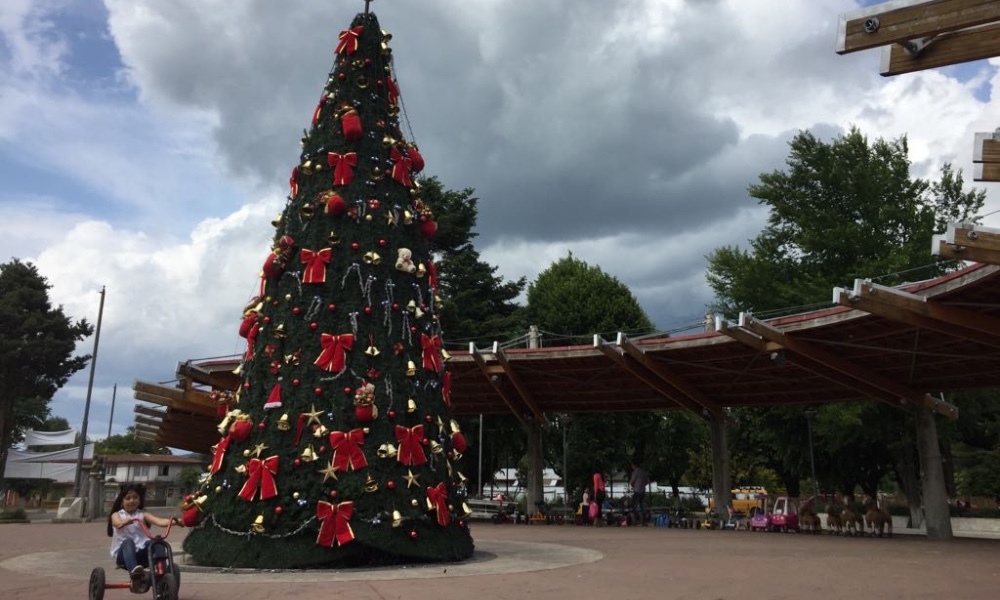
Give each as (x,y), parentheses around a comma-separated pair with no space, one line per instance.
(162,575)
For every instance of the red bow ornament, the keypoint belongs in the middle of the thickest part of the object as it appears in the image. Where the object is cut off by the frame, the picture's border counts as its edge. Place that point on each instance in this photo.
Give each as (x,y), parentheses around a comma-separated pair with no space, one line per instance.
(350,125)
(342,164)
(416,157)
(315,264)
(261,475)
(335,526)
(219,454)
(401,167)
(332,357)
(437,497)
(392,91)
(319,108)
(349,40)
(347,452)
(411,450)
(293,183)
(431,352)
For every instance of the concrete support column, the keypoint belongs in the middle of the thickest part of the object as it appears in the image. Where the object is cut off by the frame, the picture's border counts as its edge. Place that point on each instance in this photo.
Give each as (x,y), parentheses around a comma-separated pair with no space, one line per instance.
(535,466)
(95,504)
(936,515)
(721,480)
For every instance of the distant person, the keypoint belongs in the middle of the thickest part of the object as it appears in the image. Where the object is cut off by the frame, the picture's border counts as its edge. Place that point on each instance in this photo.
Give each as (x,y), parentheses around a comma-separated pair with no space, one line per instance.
(639,482)
(599,495)
(128,540)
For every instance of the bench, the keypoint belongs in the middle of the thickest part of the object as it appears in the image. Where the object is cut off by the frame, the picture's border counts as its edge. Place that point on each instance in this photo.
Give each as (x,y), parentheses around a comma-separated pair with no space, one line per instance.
(483,510)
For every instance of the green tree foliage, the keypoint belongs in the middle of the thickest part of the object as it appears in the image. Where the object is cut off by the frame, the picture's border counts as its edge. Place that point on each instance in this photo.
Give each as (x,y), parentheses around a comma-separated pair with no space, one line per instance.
(37,342)
(572,298)
(839,211)
(127,443)
(478,305)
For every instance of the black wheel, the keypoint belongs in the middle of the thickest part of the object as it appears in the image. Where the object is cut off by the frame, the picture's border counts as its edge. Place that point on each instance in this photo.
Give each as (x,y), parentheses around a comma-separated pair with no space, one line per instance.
(165,588)
(176,570)
(96,587)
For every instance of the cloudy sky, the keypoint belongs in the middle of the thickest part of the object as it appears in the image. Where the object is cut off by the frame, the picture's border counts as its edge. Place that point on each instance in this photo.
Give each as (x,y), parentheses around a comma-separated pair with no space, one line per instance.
(145,145)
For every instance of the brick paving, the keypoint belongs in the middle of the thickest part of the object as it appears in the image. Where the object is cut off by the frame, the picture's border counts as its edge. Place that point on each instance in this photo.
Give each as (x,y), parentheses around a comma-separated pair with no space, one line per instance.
(44,560)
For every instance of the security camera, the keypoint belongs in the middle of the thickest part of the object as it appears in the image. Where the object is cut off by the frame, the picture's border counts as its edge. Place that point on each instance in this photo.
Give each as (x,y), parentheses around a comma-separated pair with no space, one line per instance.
(871,25)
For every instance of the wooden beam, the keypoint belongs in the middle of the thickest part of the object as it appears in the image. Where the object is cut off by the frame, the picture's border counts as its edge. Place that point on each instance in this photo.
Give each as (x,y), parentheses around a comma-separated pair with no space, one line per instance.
(898,22)
(986,148)
(496,381)
(952,48)
(986,172)
(898,394)
(916,310)
(522,389)
(971,235)
(663,372)
(952,252)
(636,368)
(149,412)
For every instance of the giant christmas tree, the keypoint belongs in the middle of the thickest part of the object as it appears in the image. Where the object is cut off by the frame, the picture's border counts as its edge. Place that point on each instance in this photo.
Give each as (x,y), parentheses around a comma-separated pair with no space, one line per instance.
(339,448)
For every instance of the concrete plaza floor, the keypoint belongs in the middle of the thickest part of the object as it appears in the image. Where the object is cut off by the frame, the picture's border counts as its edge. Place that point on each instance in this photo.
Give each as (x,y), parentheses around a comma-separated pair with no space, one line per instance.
(43,560)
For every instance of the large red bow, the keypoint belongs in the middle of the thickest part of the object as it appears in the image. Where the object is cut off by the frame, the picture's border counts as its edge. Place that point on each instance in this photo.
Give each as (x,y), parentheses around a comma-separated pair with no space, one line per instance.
(342,164)
(446,388)
(411,451)
(349,40)
(261,474)
(401,167)
(392,91)
(347,452)
(319,108)
(438,496)
(432,352)
(332,357)
(416,157)
(220,453)
(335,526)
(293,183)
(315,262)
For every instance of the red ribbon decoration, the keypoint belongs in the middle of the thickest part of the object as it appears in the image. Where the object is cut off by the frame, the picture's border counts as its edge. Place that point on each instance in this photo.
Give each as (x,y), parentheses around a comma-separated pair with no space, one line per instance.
(401,167)
(293,183)
(392,91)
(342,164)
(335,204)
(335,526)
(315,262)
(432,352)
(349,40)
(319,108)
(438,496)
(300,424)
(432,276)
(249,329)
(220,453)
(446,388)
(347,452)
(332,357)
(411,451)
(274,398)
(416,157)
(261,474)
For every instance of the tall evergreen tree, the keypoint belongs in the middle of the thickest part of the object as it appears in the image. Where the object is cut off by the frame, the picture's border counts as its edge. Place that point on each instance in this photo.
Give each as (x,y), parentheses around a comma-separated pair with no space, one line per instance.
(37,342)
(339,447)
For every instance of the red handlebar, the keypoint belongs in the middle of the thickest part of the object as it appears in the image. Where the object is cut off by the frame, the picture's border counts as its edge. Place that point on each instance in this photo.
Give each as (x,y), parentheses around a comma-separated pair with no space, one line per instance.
(145,529)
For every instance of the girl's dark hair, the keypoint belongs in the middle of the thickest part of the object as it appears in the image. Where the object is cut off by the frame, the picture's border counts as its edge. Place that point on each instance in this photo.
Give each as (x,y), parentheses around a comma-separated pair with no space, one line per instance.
(123,490)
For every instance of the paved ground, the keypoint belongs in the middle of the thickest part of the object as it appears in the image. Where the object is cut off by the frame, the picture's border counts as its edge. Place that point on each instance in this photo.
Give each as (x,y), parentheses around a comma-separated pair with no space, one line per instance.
(44,560)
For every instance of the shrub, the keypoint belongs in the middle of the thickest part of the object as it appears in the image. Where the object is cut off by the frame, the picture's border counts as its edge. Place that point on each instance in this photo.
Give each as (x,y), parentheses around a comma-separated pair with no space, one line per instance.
(13,515)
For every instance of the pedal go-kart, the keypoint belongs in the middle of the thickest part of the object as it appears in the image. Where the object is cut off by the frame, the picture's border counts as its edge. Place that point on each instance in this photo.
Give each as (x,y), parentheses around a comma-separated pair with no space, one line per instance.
(163,576)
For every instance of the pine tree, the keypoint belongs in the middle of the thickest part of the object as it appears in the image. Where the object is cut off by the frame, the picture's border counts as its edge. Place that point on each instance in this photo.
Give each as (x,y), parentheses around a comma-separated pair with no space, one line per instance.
(339,447)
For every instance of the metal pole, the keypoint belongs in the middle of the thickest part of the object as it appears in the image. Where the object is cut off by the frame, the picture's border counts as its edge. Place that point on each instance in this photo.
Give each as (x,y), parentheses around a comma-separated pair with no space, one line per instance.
(86,408)
(111,419)
(812,458)
(479,491)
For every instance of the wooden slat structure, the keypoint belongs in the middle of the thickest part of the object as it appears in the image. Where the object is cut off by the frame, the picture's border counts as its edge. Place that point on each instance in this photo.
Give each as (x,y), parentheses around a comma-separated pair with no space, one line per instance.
(902,346)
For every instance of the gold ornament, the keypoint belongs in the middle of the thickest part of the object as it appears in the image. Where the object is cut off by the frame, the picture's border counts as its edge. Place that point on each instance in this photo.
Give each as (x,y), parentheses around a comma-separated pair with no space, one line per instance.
(377,174)
(329,472)
(436,447)
(241,469)
(295,495)
(388,141)
(258,524)
(279,331)
(371,485)
(333,239)
(411,479)
(307,211)
(407,217)
(258,449)
(372,351)
(362,81)
(246,452)
(386,451)
(411,405)
(397,518)
(276,221)
(421,270)
(411,369)
(445,355)
(466,510)
(308,455)
(454,426)
(218,489)
(414,502)
(372,258)
(430,505)
(313,416)
(320,431)
(306,167)
(390,217)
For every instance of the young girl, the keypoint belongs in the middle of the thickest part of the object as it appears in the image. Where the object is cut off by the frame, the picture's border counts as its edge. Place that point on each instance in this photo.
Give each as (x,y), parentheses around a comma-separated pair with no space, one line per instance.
(128,540)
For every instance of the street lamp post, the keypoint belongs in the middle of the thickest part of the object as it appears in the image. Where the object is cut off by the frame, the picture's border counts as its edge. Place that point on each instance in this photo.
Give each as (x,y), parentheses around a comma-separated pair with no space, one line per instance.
(812,459)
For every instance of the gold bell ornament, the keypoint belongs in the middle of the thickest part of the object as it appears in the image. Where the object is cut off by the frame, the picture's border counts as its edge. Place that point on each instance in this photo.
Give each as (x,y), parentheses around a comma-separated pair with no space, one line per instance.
(308,455)
(466,510)
(279,331)
(372,258)
(258,524)
(388,141)
(371,485)
(445,355)
(421,270)
(411,405)
(436,447)
(321,431)
(397,518)
(283,424)
(372,351)
(386,451)
(307,211)
(411,369)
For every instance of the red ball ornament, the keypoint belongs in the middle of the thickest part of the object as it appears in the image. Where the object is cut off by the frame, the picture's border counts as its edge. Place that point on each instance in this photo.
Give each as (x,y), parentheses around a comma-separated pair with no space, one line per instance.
(425,441)
(321,450)
(267,319)
(461,523)
(314,326)
(278,510)
(341,76)
(392,414)
(348,390)
(379,82)
(390,484)
(246,385)
(429,418)
(449,454)
(368,61)
(355,246)
(383,243)
(429,228)
(331,307)
(261,425)
(368,311)
(333,493)
(297,462)
(318,391)
(296,382)
(413,329)
(395,306)
(296,310)
(413,534)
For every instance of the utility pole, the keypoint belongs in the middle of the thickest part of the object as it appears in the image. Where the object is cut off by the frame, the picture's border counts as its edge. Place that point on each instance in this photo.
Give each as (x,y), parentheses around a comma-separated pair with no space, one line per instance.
(111,419)
(86,408)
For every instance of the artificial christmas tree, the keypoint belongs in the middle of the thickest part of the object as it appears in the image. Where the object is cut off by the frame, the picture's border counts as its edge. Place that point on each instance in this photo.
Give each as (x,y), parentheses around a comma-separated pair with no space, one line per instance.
(339,447)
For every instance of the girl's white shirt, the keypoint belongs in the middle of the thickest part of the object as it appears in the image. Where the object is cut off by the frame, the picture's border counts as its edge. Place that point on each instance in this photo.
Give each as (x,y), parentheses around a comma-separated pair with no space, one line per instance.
(132,531)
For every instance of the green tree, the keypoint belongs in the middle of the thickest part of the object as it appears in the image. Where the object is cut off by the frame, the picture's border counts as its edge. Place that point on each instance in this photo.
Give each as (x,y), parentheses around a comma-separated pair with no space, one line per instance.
(572,298)
(839,211)
(127,443)
(37,342)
